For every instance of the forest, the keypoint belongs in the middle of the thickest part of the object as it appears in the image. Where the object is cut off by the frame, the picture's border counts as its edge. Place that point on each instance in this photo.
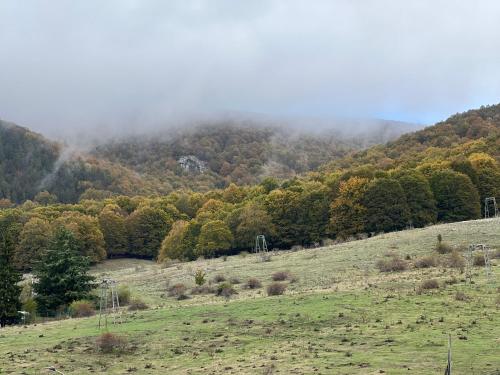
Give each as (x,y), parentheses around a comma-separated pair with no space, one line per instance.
(452,169)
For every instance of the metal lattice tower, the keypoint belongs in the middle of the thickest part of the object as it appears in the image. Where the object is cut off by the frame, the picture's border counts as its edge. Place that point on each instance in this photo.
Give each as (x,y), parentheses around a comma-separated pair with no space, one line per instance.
(469,258)
(108,289)
(260,244)
(489,203)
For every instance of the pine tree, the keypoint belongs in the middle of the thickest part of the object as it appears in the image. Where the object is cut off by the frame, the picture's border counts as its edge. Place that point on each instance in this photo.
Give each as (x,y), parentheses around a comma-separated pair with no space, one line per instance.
(9,278)
(62,276)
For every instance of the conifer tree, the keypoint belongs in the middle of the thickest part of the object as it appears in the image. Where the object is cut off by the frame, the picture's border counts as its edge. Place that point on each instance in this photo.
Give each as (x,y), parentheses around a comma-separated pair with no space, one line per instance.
(62,276)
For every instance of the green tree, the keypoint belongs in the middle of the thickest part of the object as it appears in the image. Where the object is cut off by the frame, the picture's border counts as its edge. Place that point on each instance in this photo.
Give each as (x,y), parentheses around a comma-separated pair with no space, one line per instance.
(112,224)
(215,238)
(456,197)
(252,221)
(10,291)
(386,206)
(33,242)
(147,227)
(419,197)
(488,175)
(62,275)
(45,198)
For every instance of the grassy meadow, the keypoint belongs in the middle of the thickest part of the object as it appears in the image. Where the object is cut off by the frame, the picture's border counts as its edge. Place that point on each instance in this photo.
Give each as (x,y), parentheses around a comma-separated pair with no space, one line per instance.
(338,315)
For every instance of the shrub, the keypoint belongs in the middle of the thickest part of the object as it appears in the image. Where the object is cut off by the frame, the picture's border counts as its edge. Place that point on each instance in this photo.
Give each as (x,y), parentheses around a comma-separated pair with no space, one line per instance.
(456,260)
(276,289)
(393,264)
(479,260)
(111,343)
(280,276)
(427,262)
(253,283)
(137,304)
(225,290)
(177,290)
(443,248)
(199,277)
(429,284)
(30,306)
(123,295)
(81,309)
(202,289)
(219,278)
(461,296)
(234,280)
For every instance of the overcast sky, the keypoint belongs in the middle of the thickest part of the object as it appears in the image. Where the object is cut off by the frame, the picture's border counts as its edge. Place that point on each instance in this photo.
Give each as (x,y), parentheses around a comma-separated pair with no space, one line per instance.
(88,63)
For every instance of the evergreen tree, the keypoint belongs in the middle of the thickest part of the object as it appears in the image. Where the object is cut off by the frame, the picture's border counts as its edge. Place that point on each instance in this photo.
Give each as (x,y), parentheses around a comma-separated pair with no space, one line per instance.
(9,277)
(62,276)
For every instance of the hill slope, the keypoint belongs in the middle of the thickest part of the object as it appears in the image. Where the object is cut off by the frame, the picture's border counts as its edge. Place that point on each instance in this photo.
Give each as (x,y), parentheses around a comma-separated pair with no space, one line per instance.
(339,315)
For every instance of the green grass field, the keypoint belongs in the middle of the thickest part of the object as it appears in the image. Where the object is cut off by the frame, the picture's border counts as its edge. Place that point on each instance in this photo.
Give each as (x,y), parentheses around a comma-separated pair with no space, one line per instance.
(339,316)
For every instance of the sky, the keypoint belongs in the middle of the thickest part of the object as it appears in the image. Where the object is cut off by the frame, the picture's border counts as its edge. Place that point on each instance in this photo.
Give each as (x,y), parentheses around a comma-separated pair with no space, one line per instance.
(87,64)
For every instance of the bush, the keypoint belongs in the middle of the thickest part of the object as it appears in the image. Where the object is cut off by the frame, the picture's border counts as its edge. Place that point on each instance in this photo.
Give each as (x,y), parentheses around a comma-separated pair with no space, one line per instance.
(81,309)
(479,260)
(455,260)
(393,264)
(124,295)
(199,277)
(219,278)
(429,284)
(443,248)
(253,283)
(276,289)
(225,290)
(177,290)
(202,289)
(280,276)
(234,280)
(427,262)
(111,343)
(137,304)
(461,296)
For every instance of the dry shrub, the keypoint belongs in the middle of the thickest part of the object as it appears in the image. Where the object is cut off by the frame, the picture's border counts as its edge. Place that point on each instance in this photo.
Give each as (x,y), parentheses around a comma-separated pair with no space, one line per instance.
(202,289)
(219,279)
(280,276)
(234,280)
(428,285)
(427,262)
(393,264)
(111,343)
(225,290)
(253,283)
(455,260)
(276,289)
(177,290)
(137,304)
(479,260)
(81,309)
(443,248)
(123,295)
(461,296)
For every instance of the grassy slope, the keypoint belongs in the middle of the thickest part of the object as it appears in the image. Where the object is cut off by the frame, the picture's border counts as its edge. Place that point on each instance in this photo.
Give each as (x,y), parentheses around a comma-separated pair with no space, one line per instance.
(341,317)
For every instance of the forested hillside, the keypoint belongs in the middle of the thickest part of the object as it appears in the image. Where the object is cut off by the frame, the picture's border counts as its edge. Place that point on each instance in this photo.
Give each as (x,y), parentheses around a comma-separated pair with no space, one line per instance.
(198,158)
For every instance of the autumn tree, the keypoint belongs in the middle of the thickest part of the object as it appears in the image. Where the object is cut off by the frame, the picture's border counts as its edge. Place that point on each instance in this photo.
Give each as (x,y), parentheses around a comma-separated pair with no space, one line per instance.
(252,220)
(386,206)
(456,197)
(112,224)
(33,242)
(215,238)
(488,175)
(86,230)
(174,246)
(347,212)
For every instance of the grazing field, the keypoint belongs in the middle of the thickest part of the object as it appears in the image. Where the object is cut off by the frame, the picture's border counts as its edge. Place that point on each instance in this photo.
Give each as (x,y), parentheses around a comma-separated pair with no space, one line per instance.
(338,315)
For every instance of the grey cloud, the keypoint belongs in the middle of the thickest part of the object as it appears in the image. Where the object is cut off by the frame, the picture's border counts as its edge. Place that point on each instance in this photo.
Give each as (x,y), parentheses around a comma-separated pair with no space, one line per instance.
(88,64)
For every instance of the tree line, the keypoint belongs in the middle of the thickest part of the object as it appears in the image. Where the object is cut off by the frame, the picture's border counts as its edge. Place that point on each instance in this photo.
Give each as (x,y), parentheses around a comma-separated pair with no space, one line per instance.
(302,211)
